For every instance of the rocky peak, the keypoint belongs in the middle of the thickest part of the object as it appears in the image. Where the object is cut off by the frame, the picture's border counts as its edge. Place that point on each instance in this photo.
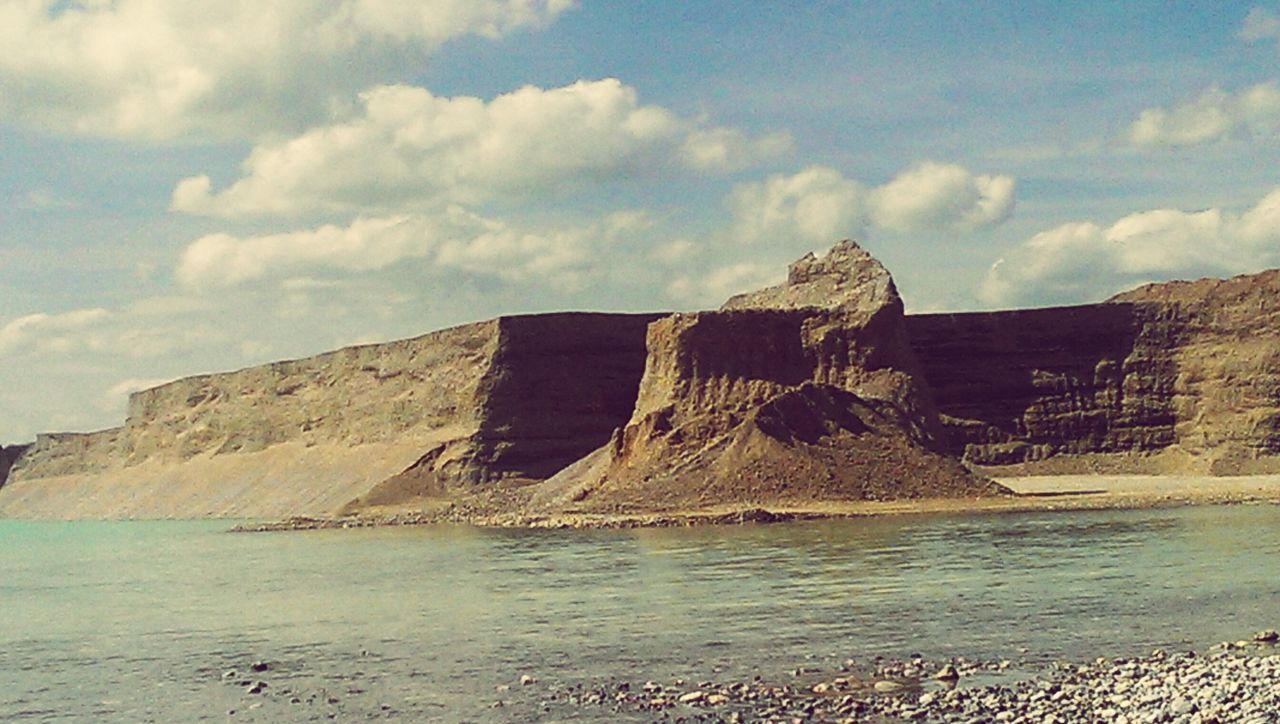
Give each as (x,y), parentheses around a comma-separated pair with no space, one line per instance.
(846,278)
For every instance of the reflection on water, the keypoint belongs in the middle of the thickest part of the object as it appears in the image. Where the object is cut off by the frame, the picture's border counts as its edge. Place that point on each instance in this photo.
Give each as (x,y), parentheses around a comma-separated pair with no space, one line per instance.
(135,620)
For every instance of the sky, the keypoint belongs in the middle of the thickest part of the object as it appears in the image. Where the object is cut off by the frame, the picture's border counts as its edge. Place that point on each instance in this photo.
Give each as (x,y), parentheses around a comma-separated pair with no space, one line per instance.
(195,187)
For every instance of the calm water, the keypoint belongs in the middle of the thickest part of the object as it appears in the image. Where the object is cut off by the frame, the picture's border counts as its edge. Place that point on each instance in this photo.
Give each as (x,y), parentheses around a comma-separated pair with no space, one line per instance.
(138,621)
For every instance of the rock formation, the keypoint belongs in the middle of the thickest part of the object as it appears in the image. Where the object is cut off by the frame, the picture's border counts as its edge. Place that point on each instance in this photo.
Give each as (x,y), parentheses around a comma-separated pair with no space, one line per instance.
(1176,377)
(797,393)
(812,391)
(8,456)
(510,399)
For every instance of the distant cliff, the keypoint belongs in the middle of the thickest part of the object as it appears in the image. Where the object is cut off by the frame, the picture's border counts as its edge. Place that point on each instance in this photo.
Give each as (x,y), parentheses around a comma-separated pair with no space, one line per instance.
(798,393)
(8,456)
(515,398)
(818,389)
(1176,377)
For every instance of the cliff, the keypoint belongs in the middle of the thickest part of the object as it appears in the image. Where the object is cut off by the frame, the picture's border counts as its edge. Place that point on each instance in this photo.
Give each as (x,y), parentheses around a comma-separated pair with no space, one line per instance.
(1175,377)
(794,394)
(510,399)
(819,389)
(8,456)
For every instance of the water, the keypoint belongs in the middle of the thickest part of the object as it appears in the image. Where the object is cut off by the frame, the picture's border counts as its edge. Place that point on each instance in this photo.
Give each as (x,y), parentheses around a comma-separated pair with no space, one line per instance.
(138,621)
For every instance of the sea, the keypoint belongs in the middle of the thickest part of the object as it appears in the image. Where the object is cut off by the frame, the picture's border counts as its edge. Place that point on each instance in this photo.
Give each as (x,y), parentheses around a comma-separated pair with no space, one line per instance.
(167,621)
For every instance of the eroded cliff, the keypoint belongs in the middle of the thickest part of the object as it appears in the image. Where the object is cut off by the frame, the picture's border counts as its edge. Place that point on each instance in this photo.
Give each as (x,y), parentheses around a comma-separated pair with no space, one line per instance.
(514,398)
(1176,377)
(794,394)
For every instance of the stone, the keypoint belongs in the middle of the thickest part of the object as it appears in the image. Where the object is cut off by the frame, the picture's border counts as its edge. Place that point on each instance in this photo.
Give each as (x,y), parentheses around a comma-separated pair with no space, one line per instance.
(785,389)
(1267,636)
(887,687)
(691,697)
(947,673)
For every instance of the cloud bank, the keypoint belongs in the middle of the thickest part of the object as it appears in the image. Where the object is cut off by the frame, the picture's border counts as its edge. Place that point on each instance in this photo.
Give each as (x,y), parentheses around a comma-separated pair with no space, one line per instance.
(158,69)
(1085,261)
(1212,116)
(408,148)
(820,204)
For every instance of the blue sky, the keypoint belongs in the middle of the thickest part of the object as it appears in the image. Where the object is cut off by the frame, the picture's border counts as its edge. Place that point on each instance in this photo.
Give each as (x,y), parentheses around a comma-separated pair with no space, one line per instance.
(198,187)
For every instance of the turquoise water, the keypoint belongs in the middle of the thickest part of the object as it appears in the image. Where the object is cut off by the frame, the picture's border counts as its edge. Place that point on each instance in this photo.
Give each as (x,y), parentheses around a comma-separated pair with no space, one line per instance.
(139,621)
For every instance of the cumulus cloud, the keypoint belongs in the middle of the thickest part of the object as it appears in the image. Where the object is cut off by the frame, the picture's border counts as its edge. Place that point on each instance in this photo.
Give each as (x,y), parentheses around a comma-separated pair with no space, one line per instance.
(1260,24)
(454,239)
(135,332)
(816,204)
(162,69)
(1084,261)
(713,288)
(50,332)
(408,148)
(1213,115)
(937,195)
(820,204)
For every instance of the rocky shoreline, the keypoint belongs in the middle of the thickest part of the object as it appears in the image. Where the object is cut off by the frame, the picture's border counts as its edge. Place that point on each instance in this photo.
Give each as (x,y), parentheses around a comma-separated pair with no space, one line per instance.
(1017,503)
(1232,682)
(1236,682)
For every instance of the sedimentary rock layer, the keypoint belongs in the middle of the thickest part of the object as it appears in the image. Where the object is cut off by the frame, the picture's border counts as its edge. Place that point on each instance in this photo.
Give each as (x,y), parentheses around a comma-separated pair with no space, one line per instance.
(9,455)
(1170,377)
(511,398)
(798,393)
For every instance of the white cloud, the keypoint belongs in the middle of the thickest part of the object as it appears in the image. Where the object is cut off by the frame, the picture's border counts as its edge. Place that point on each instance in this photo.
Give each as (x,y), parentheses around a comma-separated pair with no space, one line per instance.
(815,205)
(455,239)
(50,332)
(139,331)
(1213,115)
(407,148)
(820,205)
(164,69)
(713,288)
(1260,24)
(1084,261)
(936,195)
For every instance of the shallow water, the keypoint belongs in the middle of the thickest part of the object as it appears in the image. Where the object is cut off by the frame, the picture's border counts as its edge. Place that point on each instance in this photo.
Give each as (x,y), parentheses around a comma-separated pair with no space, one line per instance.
(138,621)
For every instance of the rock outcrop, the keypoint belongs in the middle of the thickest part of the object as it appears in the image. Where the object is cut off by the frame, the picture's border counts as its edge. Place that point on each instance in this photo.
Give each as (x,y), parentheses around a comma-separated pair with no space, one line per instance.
(1176,377)
(8,456)
(510,399)
(797,393)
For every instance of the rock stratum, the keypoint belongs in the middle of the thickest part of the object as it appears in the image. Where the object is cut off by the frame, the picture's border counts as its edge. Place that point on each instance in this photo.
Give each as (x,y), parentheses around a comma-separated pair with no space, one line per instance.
(458,409)
(1180,377)
(817,390)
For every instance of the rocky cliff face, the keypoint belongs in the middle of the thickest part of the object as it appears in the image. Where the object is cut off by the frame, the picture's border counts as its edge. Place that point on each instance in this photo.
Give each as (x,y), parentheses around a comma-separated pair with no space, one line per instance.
(797,393)
(1170,377)
(8,456)
(514,398)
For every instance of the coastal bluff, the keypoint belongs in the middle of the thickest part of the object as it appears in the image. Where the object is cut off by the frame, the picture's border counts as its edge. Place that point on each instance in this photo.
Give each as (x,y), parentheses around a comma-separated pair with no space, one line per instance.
(461,407)
(818,391)
(796,394)
(1171,378)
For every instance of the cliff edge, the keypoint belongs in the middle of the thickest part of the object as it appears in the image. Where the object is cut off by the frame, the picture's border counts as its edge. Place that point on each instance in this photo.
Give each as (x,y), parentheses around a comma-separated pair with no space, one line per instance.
(1178,377)
(509,400)
(791,395)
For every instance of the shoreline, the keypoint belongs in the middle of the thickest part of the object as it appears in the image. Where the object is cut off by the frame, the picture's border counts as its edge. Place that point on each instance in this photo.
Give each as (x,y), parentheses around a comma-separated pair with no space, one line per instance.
(1230,682)
(1059,493)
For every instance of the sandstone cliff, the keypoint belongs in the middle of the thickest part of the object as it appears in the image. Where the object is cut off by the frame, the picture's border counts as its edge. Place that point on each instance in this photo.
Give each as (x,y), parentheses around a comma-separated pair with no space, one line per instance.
(515,398)
(797,393)
(8,456)
(1176,377)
